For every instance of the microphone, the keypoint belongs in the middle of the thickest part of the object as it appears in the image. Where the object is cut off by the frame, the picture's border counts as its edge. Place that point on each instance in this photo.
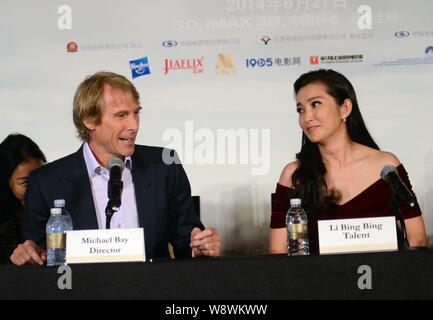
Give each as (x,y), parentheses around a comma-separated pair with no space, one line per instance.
(115,184)
(399,189)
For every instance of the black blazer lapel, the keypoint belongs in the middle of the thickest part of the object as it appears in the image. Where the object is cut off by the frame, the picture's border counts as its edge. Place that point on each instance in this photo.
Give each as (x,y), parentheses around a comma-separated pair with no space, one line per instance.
(143,177)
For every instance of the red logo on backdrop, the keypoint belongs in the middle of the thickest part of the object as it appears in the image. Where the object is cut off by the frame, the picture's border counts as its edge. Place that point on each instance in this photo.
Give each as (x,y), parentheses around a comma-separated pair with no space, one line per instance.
(314,59)
(72,47)
(196,65)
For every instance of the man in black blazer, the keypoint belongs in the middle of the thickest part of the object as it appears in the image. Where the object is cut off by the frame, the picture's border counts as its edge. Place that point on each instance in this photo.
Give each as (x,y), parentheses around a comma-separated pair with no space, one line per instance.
(106,115)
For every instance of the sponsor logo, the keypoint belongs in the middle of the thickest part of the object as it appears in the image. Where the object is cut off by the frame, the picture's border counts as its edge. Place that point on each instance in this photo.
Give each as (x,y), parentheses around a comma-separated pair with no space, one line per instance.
(195,64)
(337,59)
(409,61)
(72,47)
(265,39)
(314,59)
(169,43)
(210,42)
(260,62)
(287,61)
(402,34)
(139,67)
(225,64)
(272,62)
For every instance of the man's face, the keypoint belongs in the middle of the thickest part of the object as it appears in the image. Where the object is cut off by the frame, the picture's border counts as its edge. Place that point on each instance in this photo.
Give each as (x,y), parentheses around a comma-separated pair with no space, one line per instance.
(115,135)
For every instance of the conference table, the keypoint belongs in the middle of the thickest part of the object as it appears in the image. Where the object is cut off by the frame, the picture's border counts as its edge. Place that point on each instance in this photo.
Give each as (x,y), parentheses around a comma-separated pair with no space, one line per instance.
(380,275)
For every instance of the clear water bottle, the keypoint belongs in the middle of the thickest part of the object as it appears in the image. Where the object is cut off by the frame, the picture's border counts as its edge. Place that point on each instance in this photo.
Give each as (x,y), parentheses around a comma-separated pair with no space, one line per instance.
(297,229)
(56,238)
(60,203)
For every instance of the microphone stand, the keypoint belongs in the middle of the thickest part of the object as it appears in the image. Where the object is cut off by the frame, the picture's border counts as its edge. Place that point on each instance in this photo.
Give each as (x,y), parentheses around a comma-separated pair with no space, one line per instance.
(403,244)
(114,189)
(109,211)
(114,201)
(395,209)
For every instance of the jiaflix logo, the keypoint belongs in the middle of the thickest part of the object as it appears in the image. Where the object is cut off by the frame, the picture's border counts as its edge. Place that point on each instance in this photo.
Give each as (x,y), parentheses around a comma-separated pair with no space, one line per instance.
(196,65)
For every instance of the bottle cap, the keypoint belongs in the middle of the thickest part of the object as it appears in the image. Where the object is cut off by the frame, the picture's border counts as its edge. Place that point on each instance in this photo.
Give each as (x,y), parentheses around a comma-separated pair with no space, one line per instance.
(295,202)
(55,211)
(59,203)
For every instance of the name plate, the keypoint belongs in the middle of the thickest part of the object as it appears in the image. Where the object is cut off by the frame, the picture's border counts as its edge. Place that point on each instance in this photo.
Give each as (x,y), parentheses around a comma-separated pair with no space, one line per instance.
(357,235)
(110,245)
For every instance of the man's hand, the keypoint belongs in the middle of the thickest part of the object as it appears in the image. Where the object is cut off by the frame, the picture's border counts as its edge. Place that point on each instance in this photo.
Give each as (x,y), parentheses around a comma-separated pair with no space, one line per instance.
(205,243)
(28,253)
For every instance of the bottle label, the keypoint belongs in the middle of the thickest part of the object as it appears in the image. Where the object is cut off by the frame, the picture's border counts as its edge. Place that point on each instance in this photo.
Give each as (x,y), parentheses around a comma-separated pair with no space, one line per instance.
(56,240)
(297,231)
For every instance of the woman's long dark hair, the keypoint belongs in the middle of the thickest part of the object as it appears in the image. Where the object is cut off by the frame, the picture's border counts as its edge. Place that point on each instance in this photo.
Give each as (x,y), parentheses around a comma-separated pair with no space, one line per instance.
(309,177)
(15,149)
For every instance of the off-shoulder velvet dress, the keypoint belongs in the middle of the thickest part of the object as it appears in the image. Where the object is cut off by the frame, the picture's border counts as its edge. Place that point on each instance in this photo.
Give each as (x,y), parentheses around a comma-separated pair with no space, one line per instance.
(371,202)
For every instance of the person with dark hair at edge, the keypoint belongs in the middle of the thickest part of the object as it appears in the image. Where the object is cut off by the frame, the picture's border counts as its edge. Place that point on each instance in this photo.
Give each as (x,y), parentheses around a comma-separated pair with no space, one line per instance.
(19,155)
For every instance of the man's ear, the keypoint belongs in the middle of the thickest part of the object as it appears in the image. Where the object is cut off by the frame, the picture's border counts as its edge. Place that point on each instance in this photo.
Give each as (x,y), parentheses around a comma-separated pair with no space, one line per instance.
(90,124)
(346,108)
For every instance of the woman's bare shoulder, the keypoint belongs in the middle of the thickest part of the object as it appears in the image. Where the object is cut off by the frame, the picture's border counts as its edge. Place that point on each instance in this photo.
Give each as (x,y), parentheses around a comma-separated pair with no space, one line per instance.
(286,174)
(382,158)
(375,160)
(376,157)
(388,158)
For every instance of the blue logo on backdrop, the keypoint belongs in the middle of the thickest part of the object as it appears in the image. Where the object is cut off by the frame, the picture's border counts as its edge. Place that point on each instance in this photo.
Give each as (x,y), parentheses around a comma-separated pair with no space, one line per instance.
(139,67)
(169,43)
(260,62)
(429,50)
(402,34)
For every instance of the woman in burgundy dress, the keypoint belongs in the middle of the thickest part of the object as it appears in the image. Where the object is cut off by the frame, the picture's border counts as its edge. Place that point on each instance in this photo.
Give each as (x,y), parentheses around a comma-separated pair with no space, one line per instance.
(337,171)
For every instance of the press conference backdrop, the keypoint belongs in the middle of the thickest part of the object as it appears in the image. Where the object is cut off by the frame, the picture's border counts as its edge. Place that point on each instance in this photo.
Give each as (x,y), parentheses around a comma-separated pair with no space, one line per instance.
(215,78)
